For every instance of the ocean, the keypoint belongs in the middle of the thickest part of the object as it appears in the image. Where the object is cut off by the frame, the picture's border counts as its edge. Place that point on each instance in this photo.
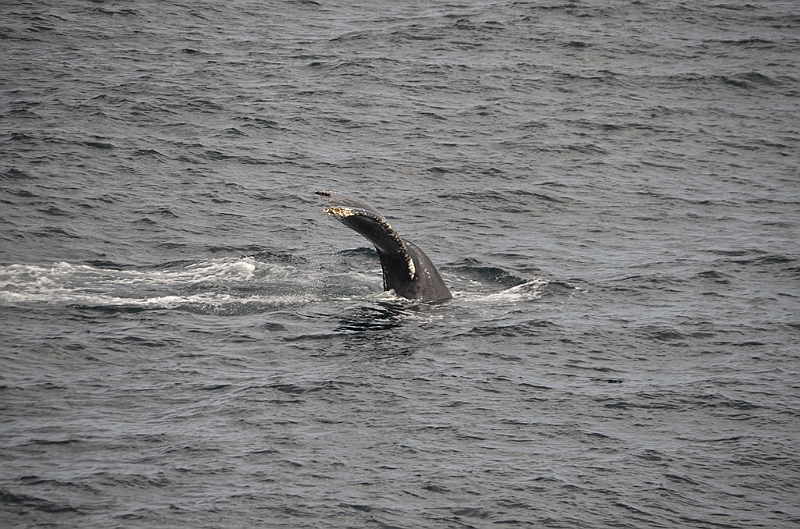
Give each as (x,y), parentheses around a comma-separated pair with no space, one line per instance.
(611,191)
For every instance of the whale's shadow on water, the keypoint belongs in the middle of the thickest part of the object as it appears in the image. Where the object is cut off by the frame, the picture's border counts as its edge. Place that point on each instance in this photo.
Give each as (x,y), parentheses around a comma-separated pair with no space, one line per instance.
(382,329)
(372,319)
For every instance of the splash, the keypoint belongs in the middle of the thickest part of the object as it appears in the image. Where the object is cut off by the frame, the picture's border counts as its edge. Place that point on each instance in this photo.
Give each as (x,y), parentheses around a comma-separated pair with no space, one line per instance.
(529,290)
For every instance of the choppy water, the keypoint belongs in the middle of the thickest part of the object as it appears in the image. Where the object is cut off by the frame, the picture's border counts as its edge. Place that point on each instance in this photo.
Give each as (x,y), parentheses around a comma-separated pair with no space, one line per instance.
(610,189)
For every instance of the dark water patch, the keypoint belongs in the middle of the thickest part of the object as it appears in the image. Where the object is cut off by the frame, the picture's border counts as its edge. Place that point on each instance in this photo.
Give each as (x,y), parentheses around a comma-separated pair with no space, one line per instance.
(134,481)
(308,337)
(654,282)
(528,328)
(214,387)
(253,250)
(749,41)
(648,401)
(758,78)
(204,105)
(775,259)
(138,341)
(46,442)
(504,200)
(576,44)
(125,12)
(107,199)
(587,148)
(557,289)
(95,309)
(372,318)
(269,256)
(99,145)
(293,389)
(765,264)
(22,137)
(664,334)
(464,24)
(162,211)
(362,251)
(792,271)
(535,195)
(36,504)
(537,387)
(733,404)
(54,211)
(736,253)
(148,152)
(248,160)
(718,277)
(54,483)
(53,232)
(473,269)
(471,512)
(16,174)
(260,123)
(216,155)
(744,81)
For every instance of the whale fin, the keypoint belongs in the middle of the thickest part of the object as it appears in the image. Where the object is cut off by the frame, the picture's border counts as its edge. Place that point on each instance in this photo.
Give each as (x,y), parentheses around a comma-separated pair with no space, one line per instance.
(406,268)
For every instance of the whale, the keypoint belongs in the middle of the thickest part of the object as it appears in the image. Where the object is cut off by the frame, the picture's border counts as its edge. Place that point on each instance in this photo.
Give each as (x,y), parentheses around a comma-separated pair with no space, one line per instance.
(406,269)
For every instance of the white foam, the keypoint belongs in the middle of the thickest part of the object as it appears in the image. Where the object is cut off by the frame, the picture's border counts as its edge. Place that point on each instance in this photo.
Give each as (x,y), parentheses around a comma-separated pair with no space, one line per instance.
(217,283)
(528,291)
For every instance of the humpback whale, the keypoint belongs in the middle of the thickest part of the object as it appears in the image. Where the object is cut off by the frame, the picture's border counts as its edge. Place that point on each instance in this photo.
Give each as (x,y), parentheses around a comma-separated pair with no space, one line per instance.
(406,268)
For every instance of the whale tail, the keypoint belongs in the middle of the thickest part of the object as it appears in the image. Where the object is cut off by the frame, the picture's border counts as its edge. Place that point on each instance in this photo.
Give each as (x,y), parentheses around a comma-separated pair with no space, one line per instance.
(406,268)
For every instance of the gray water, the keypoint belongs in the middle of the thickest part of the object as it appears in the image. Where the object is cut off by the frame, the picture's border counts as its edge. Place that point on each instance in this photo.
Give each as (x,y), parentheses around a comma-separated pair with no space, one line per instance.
(610,189)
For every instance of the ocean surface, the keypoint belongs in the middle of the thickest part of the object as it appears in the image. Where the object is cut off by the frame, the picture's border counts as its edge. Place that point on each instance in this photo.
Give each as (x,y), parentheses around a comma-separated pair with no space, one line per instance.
(610,189)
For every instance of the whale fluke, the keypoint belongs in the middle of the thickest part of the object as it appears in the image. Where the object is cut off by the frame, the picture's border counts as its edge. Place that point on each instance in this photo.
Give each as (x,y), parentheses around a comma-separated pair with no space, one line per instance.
(406,268)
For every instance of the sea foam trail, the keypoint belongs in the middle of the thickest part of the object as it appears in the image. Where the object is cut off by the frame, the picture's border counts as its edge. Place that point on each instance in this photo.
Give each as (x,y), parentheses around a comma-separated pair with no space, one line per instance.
(212,283)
